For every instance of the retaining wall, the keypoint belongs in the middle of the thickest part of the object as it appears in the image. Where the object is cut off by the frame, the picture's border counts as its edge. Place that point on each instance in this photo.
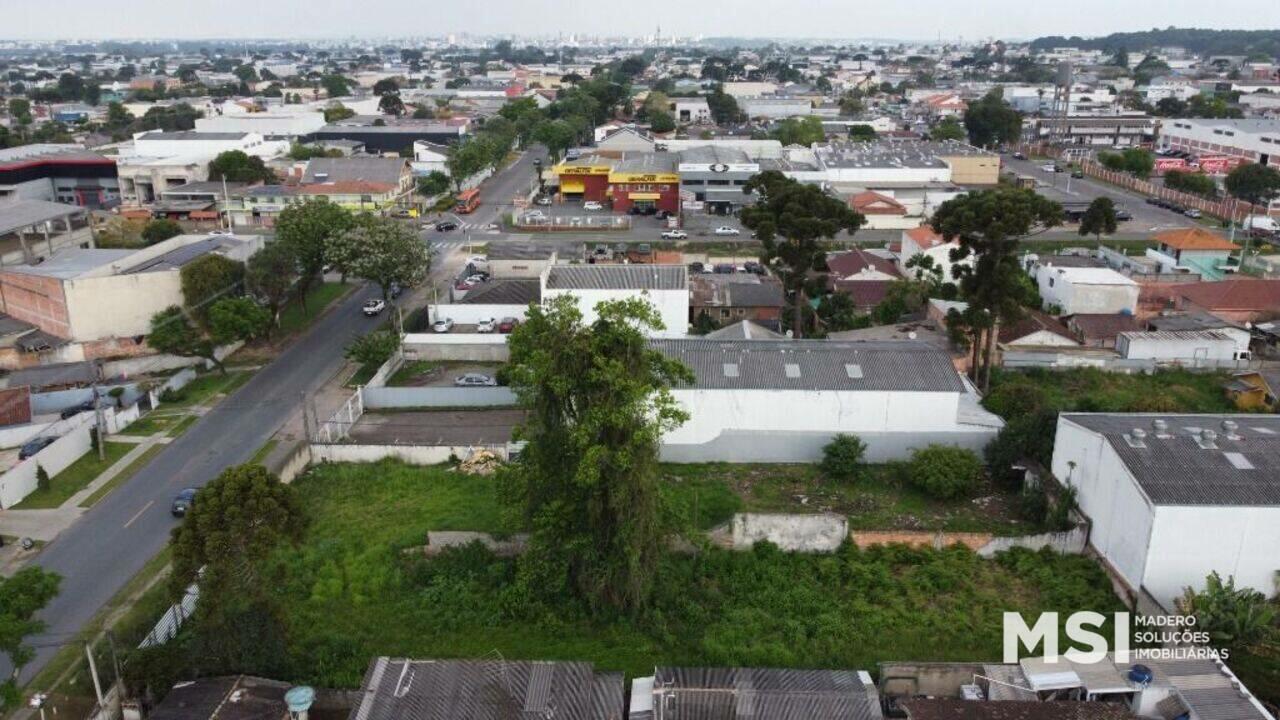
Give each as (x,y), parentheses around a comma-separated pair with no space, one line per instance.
(412,454)
(791,532)
(475,347)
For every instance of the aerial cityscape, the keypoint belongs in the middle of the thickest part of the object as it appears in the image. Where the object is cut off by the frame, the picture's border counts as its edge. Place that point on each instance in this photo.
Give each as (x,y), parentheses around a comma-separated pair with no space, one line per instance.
(538,361)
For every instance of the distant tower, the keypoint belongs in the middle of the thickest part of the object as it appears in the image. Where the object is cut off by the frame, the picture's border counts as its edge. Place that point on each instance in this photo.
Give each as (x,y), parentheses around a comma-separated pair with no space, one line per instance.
(657,35)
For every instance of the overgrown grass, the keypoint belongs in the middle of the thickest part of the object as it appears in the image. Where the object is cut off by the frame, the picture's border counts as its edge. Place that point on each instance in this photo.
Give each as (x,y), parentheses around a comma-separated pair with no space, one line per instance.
(363,374)
(294,319)
(879,499)
(357,588)
(1094,390)
(129,471)
(264,451)
(411,370)
(75,477)
(152,423)
(204,387)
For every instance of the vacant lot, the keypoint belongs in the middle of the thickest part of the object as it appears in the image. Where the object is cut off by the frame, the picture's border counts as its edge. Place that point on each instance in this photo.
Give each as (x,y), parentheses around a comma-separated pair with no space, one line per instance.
(356,588)
(438,427)
(1093,390)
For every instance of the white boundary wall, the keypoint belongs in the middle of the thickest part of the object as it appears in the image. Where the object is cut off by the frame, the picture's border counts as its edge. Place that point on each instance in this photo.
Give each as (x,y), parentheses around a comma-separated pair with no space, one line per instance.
(465,314)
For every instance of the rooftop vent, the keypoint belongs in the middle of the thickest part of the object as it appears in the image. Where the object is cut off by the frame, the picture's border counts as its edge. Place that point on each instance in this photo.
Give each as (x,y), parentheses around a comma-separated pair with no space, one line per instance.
(1136,438)
(731,370)
(793,370)
(1207,439)
(1161,427)
(854,371)
(1229,428)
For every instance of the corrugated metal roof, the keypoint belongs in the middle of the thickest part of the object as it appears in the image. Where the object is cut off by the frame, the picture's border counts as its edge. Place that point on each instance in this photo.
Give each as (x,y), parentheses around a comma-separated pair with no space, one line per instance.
(1175,467)
(775,694)
(761,364)
(618,277)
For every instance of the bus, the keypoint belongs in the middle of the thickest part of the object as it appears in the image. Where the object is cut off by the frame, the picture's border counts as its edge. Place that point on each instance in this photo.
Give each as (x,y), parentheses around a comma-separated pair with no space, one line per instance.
(468,201)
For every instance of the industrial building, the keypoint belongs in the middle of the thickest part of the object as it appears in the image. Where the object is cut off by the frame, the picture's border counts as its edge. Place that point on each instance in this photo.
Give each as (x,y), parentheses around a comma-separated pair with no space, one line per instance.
(58,173)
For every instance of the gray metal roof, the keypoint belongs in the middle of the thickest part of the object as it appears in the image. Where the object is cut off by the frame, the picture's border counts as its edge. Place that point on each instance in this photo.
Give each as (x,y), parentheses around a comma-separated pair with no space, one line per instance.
(1177,466)
(734,693)
(73,262)
(191,135)
(185,254)
(19,214)
(618,277)
(816,365)
(400,689)
(745,330)
(504,292)
(367,169)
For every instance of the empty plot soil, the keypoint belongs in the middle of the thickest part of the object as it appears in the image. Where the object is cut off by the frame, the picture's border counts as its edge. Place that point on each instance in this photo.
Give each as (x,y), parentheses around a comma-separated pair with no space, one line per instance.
(437,427)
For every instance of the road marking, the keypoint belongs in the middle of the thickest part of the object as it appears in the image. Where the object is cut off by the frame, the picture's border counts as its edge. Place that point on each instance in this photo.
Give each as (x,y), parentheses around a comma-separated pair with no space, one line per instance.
(139,513)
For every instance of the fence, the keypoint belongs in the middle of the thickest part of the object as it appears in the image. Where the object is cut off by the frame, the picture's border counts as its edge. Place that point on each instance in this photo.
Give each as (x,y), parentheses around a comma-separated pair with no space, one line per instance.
(425,397)
(573,223)
(475,347)
(464,314)
(338,426)
(412,454)
(167,628)
(1107,360)
(21,480)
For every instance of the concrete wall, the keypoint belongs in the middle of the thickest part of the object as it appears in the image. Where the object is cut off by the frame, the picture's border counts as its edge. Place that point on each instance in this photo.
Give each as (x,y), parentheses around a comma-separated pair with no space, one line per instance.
(464,314)
(1188,543)
(409,397)
(20,480)
(672,305)
(412,454)
(795,533)
(58,400)
(12,436)
(450,346)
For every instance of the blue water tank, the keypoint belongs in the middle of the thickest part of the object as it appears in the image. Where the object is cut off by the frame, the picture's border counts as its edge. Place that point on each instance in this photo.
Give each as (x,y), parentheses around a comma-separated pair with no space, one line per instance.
(299,699)
(1140,674)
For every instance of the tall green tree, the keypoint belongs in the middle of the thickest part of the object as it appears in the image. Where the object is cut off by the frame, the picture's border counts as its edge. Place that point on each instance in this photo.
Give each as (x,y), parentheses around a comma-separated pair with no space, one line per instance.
(388,253)
(160,230)
(208,279)
(1253,183)
(305,229)
(173,332)
(791,219)
(270,275)
(234,319)
(1099,219)
(948,129)
(990,225)
(598,399)
(239,166)
(799,131)
(22,595)
(990,121)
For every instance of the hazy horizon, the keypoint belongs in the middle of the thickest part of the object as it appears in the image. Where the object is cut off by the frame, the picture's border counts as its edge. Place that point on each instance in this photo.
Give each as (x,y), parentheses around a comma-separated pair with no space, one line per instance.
(922,20)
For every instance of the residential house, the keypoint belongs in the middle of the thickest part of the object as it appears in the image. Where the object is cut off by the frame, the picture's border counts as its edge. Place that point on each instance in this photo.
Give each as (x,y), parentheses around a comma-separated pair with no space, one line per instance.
(261,205)
(735,297)
(236,697)
(1254,389)
(1238,300)
(1072,290)
(1173,498)
(1099,330)
(674,693)
(664,286)
(1193,250)
(392,171)
(1035,329)
(924,240)
(864,276)
(405,689)
(783,401)
(881,211)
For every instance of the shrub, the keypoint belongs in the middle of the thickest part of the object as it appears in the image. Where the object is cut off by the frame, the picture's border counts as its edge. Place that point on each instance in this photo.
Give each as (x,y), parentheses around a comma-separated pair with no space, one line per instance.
(945,472)
(169,395)
(42,478)
(842,457)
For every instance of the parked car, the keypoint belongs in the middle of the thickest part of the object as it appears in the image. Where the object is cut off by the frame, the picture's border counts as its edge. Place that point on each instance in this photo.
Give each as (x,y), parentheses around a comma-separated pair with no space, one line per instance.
(464,284)
(373,307)
(1049,167)
(443,325)
(1192,213)
(592,205)
(535,215)
(478,260)
(477,278)
(1122,214)
(86,406)
(394,291)
(1077,173)
(402,213)
(508,324)
(727,230)
(446,226)
(33,446)
(542,200)
(674,235)
(474,380)
(1019,156)
(754,267)
(725,268)
(1154,201)
(183,502)
(486,325)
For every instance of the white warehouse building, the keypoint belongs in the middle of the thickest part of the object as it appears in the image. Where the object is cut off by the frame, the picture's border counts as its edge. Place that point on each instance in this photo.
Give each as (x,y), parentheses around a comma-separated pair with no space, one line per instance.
(783,400)
(664,286)
(1173,498)
(1093,290)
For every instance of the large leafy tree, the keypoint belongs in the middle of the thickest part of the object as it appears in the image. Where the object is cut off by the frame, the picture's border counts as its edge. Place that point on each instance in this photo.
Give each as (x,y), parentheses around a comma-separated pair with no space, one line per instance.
(1253,183)
(387,253)
(799,131)
(1099,218)
(270,275)
(598,400)
(207,280)
(234,319)
(236,522)
(157,231)
(990,225)
(305,229)
(21,597)
(173,332)
(991,121)
(239,166)
(791,219)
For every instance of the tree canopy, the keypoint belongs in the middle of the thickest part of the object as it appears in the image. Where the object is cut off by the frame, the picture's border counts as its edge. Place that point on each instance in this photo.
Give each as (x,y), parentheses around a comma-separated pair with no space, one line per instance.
(1099,219)
(1254,183)
(990,121)
(238,166)
(173,332)
(22,595)
(305,229)
(388,253)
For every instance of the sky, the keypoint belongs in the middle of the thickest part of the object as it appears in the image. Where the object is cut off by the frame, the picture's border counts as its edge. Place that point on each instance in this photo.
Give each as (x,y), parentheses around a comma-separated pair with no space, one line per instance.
(898,19)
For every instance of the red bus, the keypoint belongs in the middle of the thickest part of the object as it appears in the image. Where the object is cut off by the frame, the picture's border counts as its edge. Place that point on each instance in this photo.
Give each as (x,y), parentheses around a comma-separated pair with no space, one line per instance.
(468,201)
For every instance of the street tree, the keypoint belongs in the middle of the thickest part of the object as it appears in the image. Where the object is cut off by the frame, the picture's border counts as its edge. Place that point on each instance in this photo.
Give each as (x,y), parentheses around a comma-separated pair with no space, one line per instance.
(386,86)
(239,166)
(373,348)
(1254,183)
(989,226)
(948,129)
(990,121)
(238,319)
(799,131)
(207,279)
(160,230)
(598,400)
(436,183)
(336,85)
(305,229)
(391,104)
(1099,219)
(389,253)
(791,219)
(270,275)
(661,121)
(173,332)
(235,524)
(22,595)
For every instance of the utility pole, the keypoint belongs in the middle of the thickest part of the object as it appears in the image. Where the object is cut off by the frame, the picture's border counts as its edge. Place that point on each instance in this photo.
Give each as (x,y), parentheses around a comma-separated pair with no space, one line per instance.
(93,672)
(115,661)
(97,411)
(306,418)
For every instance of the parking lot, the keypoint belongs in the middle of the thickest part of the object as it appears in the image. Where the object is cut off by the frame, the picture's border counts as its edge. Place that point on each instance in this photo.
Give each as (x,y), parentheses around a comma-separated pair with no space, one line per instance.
(443,427)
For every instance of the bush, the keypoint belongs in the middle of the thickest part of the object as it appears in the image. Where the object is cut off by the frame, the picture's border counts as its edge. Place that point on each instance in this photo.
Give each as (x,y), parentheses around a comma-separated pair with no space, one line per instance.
(945,472)
(169,395)
(42,479)
(842,457)
(374,348)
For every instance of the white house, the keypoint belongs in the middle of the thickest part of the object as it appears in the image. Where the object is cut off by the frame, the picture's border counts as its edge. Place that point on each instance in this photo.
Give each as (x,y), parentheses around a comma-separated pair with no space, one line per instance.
(158,161)
(1073,290)
(428,157)
(1198,348)
(924,241)
(691,110)
(1173,498)
(665,286)
(275,125)
(783,400)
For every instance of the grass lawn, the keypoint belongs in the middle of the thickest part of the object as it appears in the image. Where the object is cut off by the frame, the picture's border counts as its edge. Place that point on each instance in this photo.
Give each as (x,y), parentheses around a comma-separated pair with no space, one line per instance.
(355,589)
(711,493)
(363,374)
(120,478)
(1093,390)
(293,319)
(264,451)
(205,387)
(152,423)
(77,475)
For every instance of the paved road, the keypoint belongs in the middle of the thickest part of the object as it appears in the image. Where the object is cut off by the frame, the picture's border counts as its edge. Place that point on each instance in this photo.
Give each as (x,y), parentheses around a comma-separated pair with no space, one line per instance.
(110,544)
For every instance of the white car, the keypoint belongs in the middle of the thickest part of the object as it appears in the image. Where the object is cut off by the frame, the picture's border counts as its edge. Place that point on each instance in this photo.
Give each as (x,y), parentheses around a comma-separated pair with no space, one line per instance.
(675,235)
(443,325)
(487,325)
(1049,167)
(535,215)
(592,205)
(477,260)
(474,380)
(373,307)
(726,230)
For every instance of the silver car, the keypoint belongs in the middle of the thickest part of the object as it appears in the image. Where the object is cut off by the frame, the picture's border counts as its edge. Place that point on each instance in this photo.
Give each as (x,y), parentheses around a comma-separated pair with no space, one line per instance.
(474,380)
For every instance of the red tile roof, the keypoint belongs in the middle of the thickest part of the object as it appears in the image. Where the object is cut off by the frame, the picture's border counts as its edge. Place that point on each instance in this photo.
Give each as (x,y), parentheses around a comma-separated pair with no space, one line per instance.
(1032,322)
(1095,326)
(871,202)
(865,293)
(1195,239)
(925,237)
(856,260)
(1238,294)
